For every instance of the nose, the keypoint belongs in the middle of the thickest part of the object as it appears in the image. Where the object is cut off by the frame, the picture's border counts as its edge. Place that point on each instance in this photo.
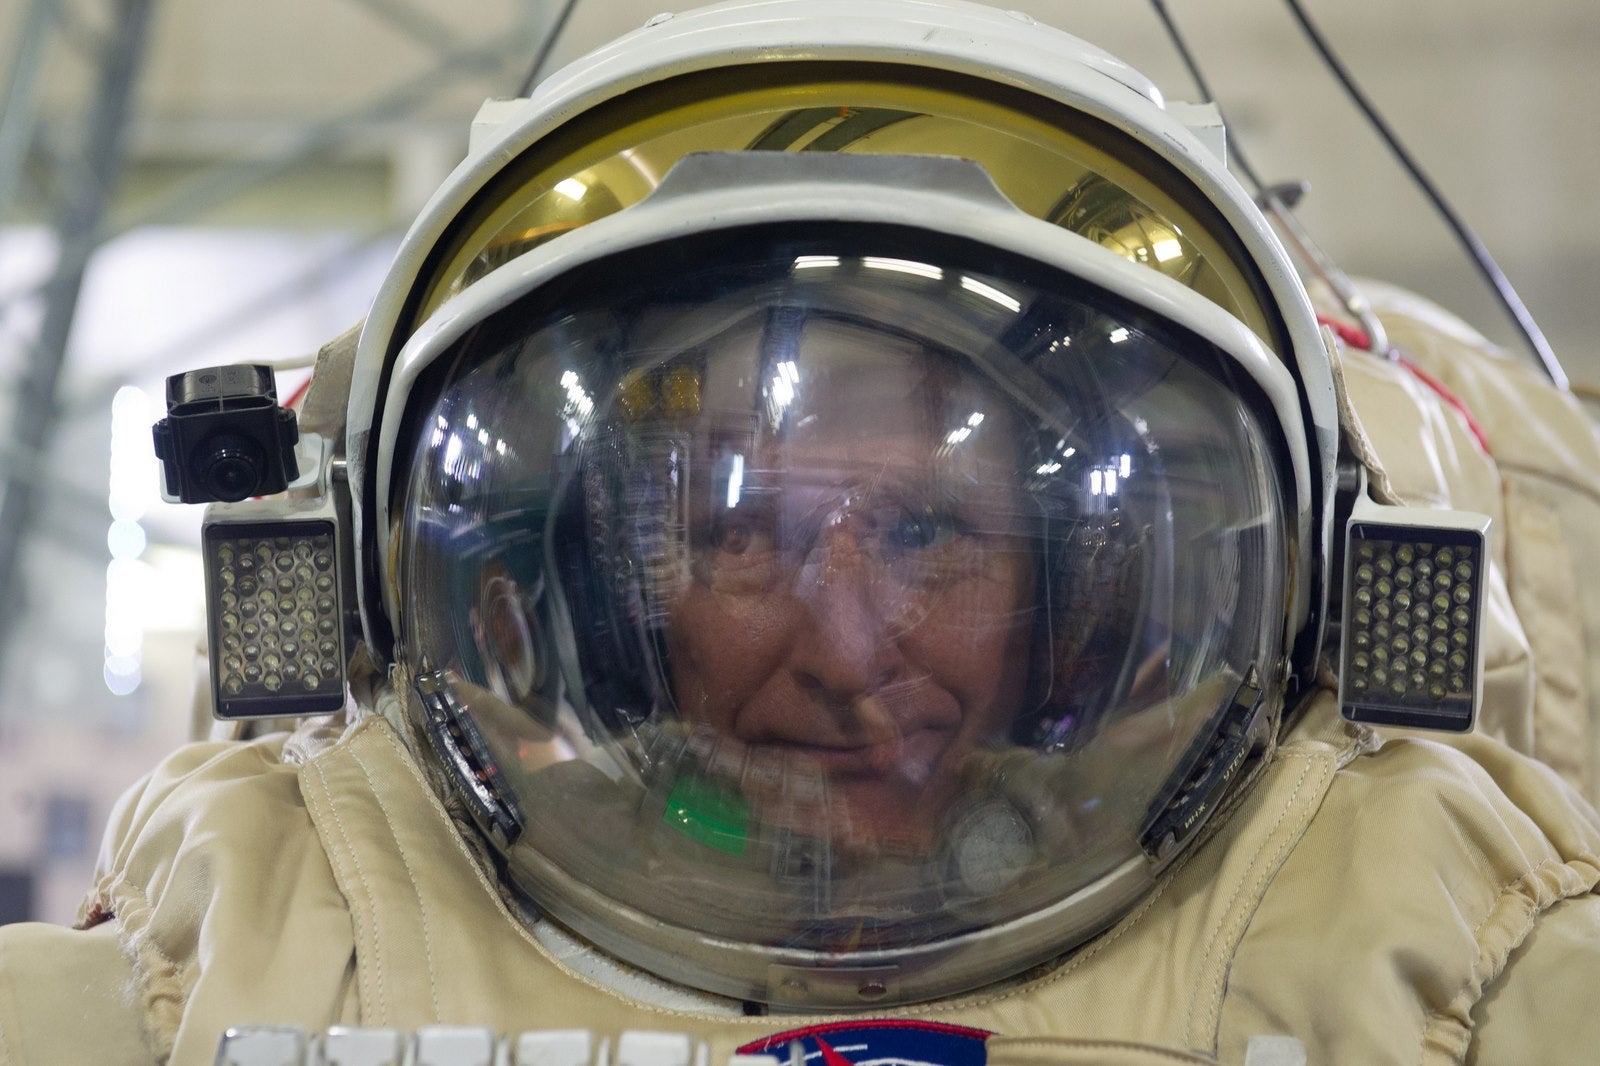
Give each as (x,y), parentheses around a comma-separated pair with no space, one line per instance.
(845,647)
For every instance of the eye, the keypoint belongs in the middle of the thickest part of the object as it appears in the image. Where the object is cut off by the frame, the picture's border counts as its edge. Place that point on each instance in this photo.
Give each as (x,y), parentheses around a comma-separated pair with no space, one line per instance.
(919,530)
(738,554)
(737,534)
(741,541)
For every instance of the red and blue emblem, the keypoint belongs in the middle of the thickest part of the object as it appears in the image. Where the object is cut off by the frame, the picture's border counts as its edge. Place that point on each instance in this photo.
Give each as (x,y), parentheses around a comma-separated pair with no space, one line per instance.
(881,1042)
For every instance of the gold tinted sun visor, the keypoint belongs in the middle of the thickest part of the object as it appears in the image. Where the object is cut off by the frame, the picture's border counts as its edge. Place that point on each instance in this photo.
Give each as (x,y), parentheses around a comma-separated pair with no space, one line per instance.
(1052,161)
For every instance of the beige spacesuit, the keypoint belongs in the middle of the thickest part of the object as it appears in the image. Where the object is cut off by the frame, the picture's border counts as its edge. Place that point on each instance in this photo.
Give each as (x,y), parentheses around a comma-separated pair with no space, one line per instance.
(1382,902)
(843,603)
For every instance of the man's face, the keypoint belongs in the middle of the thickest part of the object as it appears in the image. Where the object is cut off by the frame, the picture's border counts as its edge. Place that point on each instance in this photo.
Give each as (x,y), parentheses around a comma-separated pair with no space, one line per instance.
(857,621)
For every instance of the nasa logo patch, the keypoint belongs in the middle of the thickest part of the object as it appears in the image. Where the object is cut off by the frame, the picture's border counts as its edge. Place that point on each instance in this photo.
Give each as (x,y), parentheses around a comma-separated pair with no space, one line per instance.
(882,1042)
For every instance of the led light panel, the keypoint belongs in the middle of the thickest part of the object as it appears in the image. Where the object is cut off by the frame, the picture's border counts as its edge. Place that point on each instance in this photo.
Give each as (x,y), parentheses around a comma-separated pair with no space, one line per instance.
(273,601)
(1413,598)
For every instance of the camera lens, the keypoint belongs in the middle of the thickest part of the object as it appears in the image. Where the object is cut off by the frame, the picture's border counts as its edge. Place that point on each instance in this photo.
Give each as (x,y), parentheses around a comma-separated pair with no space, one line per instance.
(229,466)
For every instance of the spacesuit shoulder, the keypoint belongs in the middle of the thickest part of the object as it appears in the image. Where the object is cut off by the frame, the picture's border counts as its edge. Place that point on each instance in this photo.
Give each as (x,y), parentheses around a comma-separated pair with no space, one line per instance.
(1455,422)
(68,989)
(1551,975)
(215,847)
(1425,869)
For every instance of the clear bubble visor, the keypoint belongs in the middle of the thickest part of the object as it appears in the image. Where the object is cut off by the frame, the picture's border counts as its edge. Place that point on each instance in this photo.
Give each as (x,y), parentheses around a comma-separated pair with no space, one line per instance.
(821,596)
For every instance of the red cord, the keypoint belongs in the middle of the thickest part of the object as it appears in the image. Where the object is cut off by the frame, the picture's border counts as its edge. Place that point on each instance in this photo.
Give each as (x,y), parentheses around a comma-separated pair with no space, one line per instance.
(298,394)
(1352,336)
(1450,398)
(1357,338)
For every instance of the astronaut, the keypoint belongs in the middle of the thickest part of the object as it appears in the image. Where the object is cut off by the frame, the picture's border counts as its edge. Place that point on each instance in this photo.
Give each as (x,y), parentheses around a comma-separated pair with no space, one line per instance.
(847,507)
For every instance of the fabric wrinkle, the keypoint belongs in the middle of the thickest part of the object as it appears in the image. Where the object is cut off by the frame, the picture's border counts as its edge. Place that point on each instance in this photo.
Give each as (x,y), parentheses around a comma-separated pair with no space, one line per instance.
(1257,884)
(364,916)
(422,904)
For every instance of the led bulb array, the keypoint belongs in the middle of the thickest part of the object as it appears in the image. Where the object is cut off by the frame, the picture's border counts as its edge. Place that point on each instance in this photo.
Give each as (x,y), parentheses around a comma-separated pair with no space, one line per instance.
(276,641)
(1412,600)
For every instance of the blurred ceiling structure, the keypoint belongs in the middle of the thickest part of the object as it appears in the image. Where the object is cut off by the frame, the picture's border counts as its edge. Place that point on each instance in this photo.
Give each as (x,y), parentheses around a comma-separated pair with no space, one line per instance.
(332,120)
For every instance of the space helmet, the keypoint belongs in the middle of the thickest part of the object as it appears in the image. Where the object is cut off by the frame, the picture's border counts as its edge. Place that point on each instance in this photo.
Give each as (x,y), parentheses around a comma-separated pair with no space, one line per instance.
(843,495)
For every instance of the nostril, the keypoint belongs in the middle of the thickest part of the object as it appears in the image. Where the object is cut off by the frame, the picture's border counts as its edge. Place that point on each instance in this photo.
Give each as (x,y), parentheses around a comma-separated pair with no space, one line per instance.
(840,676)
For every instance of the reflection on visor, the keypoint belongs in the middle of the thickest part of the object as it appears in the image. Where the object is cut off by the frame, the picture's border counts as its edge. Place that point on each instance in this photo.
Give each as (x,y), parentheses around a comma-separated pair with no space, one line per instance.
(1052,162)
(817,603)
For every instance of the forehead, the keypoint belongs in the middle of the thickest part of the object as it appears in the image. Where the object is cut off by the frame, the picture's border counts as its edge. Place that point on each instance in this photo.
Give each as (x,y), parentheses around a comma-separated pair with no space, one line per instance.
(846,391)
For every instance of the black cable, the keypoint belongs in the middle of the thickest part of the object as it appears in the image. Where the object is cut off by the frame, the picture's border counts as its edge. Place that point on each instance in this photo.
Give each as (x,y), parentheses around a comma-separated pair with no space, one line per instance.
(1206,94)
(1475,248)
(546,46)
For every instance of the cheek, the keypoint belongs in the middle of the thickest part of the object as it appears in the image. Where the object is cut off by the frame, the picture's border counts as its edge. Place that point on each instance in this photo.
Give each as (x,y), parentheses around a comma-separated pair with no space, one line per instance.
(976,646)
(723,649)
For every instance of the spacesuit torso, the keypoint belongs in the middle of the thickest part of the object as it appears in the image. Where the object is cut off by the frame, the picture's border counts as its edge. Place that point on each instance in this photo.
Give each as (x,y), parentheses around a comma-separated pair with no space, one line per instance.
(1365,897)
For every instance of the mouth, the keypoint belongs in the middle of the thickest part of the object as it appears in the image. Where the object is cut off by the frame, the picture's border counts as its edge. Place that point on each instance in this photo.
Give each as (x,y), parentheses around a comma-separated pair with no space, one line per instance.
(910,757)
(895,737)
